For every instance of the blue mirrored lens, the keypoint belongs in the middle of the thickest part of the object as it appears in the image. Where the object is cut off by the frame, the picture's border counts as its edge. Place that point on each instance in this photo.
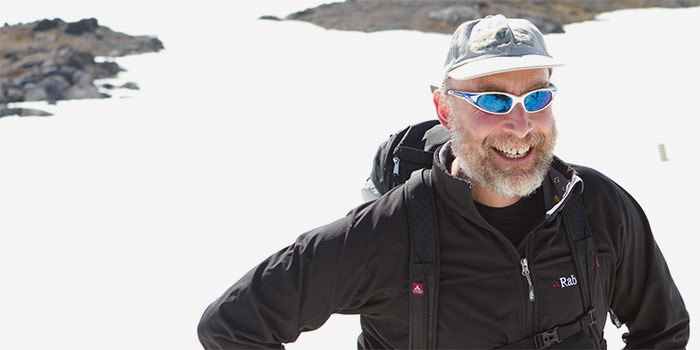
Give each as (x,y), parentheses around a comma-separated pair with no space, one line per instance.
(537,100)
(496,103)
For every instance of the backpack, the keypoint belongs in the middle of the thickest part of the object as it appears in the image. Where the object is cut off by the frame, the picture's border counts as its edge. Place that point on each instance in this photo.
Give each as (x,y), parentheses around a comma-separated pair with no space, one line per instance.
(407,157)
(403,153)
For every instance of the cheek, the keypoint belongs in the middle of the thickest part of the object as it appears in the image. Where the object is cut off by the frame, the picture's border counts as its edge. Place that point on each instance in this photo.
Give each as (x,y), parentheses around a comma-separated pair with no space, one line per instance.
(543,121)
(483,124)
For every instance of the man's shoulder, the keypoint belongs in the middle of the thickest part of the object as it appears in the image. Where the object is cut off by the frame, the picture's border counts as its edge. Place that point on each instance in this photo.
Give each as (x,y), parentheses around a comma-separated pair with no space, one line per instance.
(382,216)
(389,204)
(601,191)
(594,180)
(604,195)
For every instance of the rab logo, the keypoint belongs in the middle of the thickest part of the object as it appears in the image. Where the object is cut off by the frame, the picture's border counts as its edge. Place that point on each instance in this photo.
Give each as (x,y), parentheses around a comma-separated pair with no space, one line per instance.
(417,289)
(564,282)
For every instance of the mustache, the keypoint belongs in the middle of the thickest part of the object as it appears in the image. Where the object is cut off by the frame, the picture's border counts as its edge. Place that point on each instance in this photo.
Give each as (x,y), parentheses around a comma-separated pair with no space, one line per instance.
(508,141)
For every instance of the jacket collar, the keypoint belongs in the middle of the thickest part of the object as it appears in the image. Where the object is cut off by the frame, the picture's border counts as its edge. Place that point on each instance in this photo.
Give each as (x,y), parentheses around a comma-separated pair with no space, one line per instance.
(559,185)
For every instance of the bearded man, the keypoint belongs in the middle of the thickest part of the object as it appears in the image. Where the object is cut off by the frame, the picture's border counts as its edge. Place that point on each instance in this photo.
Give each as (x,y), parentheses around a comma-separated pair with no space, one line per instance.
(527,258)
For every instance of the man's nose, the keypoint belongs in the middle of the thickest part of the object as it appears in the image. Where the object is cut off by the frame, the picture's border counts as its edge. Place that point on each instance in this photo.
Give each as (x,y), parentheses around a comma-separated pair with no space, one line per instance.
(518,122)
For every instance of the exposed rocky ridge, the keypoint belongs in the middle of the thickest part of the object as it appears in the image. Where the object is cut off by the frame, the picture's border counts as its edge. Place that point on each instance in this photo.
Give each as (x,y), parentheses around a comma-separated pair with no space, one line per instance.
(444,16)
(51,60)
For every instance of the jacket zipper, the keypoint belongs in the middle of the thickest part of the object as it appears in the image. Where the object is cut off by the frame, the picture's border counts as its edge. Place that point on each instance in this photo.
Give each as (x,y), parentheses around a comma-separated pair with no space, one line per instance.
(528,324)
(530,304)
(549,216)
(526,273)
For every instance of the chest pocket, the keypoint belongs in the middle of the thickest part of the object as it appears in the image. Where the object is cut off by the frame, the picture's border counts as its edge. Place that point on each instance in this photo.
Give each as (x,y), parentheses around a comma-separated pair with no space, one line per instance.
(558,285)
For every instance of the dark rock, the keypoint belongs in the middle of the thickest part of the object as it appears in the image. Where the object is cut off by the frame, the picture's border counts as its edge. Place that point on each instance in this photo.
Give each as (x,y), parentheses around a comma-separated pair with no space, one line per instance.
(80,77)
(28,82)
(105,70)
(270,18)
(54,85)
(23,112)
(31,112)
(548,26)
(444,16)
(34,92)
(4,111)
(108,86)
(11,56)
(77,92)
(456,14)
(154,44)
(49,70)
(130,85)
(68,56)
(31,64)
(67,73)
(14,94)
(40,63)
(45,36)
(46,24)
(87,25)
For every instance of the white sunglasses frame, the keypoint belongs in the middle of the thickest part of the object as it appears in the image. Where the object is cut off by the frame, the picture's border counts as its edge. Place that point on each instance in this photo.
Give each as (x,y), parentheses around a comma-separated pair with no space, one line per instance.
(467,96)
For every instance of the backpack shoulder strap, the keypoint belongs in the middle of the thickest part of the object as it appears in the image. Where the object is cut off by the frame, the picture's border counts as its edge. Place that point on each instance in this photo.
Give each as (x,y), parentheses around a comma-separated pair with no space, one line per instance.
(585,256)
(583,252)
(424,261)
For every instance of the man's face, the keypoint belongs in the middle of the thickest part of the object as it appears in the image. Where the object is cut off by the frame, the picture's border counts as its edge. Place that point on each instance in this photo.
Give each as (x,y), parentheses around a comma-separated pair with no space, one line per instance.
(506,154)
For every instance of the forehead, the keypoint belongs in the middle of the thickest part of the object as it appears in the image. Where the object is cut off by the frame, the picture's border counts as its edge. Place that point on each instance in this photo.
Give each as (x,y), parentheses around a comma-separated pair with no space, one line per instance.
(515,82)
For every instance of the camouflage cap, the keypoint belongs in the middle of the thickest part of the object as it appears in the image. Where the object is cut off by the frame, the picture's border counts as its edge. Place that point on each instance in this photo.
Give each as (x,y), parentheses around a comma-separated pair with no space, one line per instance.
(496,44)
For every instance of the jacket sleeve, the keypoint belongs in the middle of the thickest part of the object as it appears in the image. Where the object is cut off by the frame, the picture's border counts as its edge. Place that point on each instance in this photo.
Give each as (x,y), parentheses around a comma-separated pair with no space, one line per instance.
(332,269)
(644,295)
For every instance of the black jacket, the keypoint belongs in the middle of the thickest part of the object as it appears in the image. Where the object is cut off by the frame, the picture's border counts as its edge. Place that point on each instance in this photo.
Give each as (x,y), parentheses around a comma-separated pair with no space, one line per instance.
(359,265)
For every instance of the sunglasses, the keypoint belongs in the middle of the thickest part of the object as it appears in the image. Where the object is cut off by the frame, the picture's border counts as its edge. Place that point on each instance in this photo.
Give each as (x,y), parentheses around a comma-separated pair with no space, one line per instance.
(503,103)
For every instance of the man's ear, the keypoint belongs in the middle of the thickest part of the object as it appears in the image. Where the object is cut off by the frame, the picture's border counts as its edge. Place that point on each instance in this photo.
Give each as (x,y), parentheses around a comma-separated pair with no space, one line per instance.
(442,109)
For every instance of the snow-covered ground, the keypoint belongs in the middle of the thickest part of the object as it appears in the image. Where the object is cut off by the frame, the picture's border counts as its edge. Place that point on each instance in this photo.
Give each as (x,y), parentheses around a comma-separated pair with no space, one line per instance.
(122,219)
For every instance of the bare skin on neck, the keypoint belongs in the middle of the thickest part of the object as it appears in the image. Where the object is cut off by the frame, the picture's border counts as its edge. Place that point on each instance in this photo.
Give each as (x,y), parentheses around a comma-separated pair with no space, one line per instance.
(481,194)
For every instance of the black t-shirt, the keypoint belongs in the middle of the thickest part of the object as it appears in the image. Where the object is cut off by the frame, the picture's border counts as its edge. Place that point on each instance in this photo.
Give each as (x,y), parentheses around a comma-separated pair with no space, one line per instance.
(516,220)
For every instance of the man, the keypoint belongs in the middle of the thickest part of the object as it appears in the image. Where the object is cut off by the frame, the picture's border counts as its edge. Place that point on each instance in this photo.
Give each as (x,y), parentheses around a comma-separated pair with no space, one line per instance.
(511,275)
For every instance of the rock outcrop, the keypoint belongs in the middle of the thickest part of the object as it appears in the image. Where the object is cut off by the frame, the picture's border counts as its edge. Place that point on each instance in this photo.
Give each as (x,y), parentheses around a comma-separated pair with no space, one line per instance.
(51,60)
(444,16)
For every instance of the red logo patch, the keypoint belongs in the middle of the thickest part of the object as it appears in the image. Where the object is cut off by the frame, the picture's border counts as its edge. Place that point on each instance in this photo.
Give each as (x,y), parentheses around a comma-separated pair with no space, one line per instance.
(417,289)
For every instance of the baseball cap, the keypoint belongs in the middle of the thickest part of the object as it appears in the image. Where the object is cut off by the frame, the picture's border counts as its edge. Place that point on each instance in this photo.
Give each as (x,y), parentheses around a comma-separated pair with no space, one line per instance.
(496,44)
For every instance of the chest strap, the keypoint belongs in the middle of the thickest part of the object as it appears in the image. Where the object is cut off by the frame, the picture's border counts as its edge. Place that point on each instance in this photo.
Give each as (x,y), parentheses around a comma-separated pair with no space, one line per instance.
(555,335)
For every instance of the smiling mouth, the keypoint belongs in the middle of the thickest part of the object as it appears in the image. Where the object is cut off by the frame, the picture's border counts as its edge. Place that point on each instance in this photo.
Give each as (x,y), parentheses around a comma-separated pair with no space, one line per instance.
(513,153)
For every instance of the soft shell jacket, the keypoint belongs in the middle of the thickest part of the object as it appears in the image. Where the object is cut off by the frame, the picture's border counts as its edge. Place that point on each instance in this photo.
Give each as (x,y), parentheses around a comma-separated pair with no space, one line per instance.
(360,265)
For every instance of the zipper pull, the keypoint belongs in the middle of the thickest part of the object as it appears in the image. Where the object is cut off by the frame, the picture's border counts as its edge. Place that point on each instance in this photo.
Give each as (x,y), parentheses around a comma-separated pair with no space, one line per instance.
(396,166)
(526,273)
(614,318)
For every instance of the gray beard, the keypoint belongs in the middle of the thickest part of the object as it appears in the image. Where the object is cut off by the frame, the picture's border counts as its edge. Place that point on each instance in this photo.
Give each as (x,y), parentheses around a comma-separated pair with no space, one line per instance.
(478,163)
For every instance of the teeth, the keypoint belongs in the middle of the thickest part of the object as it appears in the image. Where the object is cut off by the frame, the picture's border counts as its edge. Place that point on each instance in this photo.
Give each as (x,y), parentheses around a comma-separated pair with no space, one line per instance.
(514,152)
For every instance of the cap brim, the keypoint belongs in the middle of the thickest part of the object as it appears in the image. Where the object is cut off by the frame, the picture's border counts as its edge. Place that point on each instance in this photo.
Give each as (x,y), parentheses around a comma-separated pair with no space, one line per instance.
(501,64)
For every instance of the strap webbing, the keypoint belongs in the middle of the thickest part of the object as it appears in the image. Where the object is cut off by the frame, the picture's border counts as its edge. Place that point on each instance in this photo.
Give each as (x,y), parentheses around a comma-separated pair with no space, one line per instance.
(555,335)
(583,252)
(425,258)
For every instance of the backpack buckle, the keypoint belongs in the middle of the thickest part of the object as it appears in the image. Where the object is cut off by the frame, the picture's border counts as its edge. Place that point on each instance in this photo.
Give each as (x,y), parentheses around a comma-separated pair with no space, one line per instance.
(547,338)
(591,318)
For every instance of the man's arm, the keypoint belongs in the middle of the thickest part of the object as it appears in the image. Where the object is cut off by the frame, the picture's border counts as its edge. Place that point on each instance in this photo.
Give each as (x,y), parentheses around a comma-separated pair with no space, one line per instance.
(645,296)
(337,268)
(292,291)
